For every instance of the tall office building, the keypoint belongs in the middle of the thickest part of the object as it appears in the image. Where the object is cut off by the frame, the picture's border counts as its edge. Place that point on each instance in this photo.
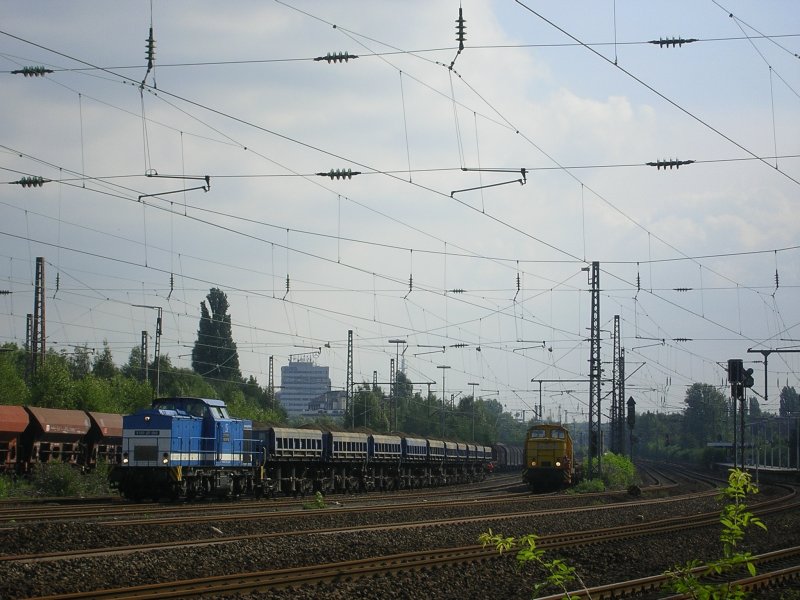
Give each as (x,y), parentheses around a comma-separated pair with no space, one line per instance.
(301,382)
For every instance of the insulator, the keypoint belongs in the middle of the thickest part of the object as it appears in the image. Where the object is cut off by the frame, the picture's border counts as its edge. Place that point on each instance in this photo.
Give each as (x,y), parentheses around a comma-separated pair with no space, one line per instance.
(659,164)
(339,174)
(777,281)
(410,282)
(336,57)
(682,289)
(27,182)
(638,282)
(287,283)
(457,291)
(150,55)
(672,42)
(517,281)
(32,71)
(461,29)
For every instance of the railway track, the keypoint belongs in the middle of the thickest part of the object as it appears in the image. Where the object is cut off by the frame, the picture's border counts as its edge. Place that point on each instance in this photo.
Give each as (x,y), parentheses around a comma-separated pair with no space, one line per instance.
(781,565)
(775,568)
(553,541)
(74,508)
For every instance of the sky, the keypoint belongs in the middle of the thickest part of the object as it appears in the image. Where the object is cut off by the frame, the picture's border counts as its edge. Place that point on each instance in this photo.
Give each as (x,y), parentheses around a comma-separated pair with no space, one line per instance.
(482,185)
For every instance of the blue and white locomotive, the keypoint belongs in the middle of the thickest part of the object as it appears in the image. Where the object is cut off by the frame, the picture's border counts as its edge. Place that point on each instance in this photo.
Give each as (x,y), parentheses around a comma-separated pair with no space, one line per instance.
(186,447)
(192,447)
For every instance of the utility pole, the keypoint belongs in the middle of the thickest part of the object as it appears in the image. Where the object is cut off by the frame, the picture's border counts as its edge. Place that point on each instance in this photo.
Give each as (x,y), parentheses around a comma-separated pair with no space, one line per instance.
(766,353)
(145,351)
(392,396)
(616,398)
(395,366)
(594,373)
(444,369)
(38,336)
(473,384)
(349,384)
(157,348)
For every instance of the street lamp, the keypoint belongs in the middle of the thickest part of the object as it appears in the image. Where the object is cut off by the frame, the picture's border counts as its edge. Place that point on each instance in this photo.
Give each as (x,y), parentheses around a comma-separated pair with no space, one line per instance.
(443,367)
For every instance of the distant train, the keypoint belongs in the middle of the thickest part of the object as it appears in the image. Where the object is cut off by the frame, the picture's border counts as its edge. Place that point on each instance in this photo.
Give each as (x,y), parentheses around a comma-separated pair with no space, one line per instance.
(507,457)
(32,435)
(192,447)
(549,458)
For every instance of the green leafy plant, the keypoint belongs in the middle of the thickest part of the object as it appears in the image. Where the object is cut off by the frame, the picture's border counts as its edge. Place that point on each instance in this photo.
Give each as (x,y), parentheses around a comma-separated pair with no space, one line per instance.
(317,503)
(735,518)
(559,573)
(588,486)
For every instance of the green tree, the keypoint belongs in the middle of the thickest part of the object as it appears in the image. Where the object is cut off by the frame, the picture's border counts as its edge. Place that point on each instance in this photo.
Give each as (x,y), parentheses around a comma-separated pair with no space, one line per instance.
(214,355)
(789,402)
(704,415)
(79,362)
(366,409)
(183,382)
(13,389)
(103,365)
(133,368)
(52,385)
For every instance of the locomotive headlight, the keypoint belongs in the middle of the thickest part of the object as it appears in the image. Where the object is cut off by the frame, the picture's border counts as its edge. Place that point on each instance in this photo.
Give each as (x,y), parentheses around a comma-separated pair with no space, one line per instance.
(125,458)
(147,418)
(165,458)
(558,463)
(533,463)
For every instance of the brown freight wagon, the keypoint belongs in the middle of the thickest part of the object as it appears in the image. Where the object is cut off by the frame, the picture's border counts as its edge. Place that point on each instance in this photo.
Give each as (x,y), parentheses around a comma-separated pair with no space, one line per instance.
(104,440)
(14,421)
(55,435)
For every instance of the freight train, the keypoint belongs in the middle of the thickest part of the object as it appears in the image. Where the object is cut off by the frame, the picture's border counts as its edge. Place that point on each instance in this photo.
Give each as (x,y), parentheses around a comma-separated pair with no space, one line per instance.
(192,448)
(33,435)
(549,458)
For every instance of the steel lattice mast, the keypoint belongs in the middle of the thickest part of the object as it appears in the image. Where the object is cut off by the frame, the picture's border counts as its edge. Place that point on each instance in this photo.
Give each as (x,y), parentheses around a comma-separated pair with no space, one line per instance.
(594,373)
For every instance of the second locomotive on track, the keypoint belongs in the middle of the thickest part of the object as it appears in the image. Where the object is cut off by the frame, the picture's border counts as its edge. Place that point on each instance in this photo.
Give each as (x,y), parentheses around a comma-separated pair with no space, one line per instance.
(549,458)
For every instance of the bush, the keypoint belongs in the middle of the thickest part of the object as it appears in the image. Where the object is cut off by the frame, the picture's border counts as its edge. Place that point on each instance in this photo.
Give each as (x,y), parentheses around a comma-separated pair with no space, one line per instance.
(588,486)
(618,472)
(12,487)
(55,479)
(61,479)
(95,482)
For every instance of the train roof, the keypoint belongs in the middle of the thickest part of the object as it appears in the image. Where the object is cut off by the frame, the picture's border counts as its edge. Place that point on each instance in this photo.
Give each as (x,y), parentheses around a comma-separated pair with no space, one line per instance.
(13,419)
(206,401)
(58,421)
(109,424)
(295,432)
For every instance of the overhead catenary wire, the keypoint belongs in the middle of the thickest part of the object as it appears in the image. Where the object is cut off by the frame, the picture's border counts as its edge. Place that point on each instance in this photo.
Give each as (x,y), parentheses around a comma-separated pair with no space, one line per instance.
(411,250)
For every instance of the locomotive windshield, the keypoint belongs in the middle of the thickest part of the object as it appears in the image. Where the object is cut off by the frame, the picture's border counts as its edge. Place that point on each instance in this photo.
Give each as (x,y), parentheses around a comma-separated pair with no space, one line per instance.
(191,406)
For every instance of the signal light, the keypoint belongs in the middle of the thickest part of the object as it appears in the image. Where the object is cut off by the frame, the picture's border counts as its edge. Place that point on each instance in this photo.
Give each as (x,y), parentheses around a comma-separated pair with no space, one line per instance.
(747,378)
(735,369)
